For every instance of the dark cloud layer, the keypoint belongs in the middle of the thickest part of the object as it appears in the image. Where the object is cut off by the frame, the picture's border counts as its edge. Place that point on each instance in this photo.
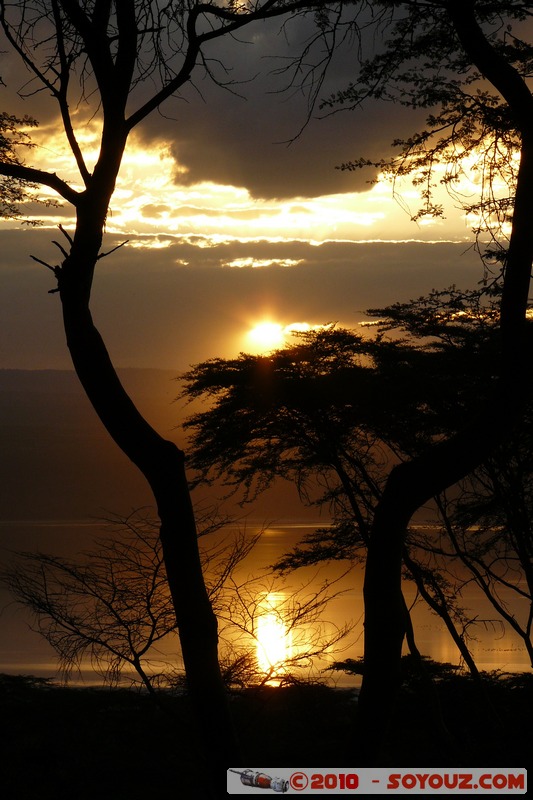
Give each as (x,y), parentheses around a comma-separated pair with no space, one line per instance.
(253,133)
(257,137)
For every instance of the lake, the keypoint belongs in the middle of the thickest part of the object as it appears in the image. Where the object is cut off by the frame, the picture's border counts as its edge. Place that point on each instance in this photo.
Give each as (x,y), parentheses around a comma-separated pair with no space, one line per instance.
(25,651)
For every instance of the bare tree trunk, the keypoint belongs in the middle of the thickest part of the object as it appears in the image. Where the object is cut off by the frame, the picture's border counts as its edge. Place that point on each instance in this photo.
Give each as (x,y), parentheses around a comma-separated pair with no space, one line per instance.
(413,483)
(409,486)
(162,464)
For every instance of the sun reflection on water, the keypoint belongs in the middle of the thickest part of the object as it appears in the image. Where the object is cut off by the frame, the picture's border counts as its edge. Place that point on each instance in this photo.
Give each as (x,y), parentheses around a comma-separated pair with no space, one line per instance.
(274,645)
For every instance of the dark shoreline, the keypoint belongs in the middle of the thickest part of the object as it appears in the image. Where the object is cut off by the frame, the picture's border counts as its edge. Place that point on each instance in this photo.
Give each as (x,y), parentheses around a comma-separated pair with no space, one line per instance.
(60,742)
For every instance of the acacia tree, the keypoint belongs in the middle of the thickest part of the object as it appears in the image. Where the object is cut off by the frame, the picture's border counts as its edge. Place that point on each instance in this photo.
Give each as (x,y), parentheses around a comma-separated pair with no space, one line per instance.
(469,64)
(459,47)
(111,606)
(13,140)
(124,59)
(485,522)
(466,59)
(318,413)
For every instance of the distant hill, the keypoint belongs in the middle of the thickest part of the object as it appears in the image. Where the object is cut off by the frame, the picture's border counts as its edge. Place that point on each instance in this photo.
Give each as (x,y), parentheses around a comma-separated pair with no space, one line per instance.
(56,460)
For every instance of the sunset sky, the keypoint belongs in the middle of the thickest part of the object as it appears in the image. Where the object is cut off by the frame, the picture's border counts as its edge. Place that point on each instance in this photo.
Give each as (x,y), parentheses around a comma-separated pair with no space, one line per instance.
(229,223)
(235,227)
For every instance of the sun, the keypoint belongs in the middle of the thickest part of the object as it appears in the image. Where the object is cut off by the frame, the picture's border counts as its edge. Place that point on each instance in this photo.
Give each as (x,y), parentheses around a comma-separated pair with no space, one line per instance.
(267,335)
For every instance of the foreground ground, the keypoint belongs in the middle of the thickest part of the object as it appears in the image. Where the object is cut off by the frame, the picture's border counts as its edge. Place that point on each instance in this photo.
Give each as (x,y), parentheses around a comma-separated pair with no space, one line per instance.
(99,743)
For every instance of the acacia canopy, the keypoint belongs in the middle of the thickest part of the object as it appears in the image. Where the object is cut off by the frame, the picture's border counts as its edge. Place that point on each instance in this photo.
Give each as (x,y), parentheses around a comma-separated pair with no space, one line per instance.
(335,410)
(334,394)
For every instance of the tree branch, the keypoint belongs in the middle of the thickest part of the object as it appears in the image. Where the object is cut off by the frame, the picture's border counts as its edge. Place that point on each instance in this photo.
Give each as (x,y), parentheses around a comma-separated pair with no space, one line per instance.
(502,75)
(96,43)
(236,20)
(22,53)
(61,96)
(44,178)
(127,47)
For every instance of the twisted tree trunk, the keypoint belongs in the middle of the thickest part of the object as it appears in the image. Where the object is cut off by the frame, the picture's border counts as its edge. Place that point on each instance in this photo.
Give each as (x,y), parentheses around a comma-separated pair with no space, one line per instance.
(413,483)
(162,464)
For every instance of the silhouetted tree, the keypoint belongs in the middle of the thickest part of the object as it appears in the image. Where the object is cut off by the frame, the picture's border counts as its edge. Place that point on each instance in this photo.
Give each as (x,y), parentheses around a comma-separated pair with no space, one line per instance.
(111,607)
(452,54)
(13,140)
(468,62)
(486,521)
(249,608)
(334,411)
(104,53)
